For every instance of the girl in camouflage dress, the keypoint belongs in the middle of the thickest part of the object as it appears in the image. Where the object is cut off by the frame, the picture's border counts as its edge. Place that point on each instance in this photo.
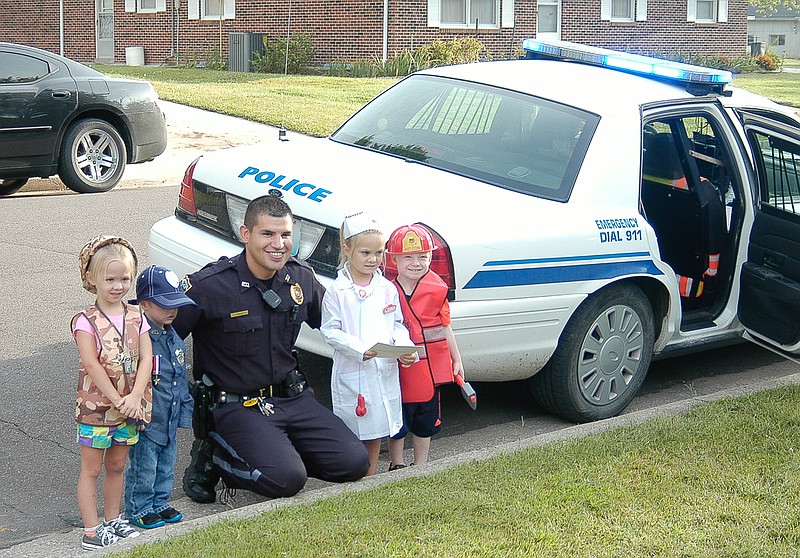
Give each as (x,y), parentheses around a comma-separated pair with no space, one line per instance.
(114,391)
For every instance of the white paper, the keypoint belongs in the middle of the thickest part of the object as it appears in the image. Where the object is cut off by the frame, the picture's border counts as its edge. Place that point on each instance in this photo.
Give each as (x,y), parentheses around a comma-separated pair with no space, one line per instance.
(393,351)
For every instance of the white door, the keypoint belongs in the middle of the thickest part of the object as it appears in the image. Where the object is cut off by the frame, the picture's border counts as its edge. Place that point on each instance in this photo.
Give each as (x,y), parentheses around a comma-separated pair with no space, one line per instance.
(769,295)
(104,28)
(548,21)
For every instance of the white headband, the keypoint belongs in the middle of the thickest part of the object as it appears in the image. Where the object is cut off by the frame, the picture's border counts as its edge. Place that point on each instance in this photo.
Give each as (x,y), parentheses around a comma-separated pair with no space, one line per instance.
(359,223)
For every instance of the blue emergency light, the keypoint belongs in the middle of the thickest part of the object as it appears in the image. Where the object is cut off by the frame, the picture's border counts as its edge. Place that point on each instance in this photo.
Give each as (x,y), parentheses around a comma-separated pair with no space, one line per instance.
(698,80)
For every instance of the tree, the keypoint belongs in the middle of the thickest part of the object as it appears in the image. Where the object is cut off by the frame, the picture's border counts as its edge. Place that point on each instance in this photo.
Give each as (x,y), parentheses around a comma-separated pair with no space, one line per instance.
(771,6)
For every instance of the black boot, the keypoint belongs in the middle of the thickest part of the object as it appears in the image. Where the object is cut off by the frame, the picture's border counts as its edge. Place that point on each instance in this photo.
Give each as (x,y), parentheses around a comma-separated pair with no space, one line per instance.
(200,477)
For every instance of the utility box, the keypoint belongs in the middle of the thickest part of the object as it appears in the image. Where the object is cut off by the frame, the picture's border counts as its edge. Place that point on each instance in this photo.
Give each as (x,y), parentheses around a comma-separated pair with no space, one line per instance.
(241,47)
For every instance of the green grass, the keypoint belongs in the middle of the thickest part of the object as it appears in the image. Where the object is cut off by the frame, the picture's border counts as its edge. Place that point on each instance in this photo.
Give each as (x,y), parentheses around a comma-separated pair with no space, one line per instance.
(781,87)
(313,105)
(720,481)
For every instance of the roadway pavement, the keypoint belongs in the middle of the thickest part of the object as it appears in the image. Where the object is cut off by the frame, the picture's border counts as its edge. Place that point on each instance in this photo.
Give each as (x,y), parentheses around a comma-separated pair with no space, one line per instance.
(192,132)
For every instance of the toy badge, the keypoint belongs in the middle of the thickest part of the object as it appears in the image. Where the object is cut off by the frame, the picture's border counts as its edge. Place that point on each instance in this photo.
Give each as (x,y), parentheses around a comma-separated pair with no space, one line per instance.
(297,293)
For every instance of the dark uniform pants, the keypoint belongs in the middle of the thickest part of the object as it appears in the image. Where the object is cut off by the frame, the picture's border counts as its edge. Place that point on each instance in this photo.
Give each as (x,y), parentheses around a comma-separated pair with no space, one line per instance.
(274,455)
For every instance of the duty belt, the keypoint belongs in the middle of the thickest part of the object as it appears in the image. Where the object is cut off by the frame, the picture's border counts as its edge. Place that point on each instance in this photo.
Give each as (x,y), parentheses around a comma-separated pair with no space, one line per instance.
(292,386)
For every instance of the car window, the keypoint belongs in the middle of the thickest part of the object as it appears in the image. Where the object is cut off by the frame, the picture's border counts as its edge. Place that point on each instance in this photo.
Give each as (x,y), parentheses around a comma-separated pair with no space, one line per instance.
(505,138)
(779,161)
(18,68)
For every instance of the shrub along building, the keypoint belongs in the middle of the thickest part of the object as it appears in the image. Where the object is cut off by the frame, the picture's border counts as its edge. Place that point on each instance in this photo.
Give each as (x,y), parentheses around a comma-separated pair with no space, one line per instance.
(348,30)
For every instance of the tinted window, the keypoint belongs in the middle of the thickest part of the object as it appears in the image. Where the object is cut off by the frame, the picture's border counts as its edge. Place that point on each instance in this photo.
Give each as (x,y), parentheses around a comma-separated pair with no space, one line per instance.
(497,136)
(18,68)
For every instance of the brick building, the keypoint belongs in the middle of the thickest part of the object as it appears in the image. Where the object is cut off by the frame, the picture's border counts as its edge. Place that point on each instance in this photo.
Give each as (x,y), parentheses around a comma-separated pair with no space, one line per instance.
(347,30)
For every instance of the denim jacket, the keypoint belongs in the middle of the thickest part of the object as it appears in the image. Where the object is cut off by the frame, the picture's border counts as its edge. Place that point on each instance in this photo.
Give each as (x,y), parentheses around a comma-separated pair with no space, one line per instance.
(172,403)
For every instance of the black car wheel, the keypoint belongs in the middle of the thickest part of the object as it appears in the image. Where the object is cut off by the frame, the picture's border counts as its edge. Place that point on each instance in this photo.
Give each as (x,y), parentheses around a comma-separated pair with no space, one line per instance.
(10,185)
(92,157)
(602,357)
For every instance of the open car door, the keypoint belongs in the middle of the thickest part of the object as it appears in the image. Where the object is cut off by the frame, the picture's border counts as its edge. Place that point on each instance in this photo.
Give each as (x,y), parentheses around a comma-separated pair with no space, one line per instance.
(769,297)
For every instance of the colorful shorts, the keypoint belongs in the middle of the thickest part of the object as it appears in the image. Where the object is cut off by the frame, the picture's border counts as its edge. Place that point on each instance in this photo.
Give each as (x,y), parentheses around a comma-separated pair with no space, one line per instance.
(101,437)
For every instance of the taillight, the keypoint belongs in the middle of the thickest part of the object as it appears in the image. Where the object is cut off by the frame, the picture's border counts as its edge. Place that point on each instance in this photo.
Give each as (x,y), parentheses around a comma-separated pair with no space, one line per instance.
(186,195)
(441,263)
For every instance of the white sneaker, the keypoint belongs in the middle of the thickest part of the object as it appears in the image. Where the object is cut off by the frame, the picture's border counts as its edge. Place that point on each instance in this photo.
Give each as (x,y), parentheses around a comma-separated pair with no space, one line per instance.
(103,537)
(121,528)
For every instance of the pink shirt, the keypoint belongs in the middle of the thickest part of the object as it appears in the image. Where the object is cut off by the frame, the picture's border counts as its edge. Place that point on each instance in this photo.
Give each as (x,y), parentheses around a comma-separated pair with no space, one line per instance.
(82,324)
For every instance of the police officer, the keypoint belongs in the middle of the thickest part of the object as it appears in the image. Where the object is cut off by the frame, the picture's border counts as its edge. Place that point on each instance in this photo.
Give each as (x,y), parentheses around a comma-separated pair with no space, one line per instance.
(269,432)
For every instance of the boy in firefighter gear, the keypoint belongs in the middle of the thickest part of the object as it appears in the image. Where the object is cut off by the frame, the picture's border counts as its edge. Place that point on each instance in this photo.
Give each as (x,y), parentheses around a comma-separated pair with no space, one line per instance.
(114,395)
(150,475)
(426,314)
(268,432)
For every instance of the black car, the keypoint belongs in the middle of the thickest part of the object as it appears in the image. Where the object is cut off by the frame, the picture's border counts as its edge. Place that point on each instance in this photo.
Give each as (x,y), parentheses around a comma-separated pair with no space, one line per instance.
(58,116)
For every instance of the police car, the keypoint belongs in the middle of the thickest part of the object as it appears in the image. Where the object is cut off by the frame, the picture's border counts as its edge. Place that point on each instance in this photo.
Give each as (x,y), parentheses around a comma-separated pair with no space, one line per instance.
(594,209)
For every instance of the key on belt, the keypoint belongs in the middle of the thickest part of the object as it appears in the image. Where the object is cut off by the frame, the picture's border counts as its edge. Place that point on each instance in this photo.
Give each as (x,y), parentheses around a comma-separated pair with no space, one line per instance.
(264,406)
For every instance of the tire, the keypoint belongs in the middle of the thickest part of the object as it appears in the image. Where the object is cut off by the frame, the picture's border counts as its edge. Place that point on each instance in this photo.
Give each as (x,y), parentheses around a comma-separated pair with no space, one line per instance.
(92,157)
(10,185)
(602,357)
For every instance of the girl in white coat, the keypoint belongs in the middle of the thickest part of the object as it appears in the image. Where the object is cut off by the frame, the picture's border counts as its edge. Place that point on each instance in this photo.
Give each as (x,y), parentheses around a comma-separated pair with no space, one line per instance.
(360,309)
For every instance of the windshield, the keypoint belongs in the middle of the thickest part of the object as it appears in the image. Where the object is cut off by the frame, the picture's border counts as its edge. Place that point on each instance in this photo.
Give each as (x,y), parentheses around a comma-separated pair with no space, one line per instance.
(515,141)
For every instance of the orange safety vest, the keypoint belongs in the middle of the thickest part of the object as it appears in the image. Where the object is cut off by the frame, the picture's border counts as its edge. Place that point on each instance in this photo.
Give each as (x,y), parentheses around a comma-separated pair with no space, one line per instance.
(421,315)
(688,287)
(693,288)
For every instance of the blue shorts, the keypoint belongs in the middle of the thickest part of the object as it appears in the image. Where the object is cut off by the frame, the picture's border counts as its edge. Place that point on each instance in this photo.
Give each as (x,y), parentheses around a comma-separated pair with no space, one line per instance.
(421,419)
(101,437)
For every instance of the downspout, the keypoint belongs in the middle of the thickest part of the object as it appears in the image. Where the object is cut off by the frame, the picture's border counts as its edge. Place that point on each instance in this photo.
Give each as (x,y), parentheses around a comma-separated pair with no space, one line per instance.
(385,30)
(61,26)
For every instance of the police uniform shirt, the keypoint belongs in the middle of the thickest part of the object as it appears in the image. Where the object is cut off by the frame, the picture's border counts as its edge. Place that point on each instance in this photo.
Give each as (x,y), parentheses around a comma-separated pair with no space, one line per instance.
(239,341)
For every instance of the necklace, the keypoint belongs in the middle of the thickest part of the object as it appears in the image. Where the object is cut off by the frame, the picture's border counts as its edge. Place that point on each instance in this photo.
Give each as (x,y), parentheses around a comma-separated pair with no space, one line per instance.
(124,356)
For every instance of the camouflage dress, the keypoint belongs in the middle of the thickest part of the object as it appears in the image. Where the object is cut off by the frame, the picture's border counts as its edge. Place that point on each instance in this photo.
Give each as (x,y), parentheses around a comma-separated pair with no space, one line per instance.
(92,406)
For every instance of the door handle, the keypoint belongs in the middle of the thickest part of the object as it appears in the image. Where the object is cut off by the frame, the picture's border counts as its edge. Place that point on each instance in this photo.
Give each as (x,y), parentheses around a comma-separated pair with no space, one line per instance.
(61,94)
(773,261)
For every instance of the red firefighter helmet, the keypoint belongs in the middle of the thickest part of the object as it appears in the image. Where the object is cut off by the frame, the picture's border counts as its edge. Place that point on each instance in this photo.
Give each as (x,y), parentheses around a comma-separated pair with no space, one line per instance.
(411,239)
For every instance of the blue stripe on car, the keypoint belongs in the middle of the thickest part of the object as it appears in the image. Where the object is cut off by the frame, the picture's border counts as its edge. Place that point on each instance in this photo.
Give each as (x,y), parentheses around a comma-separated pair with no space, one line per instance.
(558,274)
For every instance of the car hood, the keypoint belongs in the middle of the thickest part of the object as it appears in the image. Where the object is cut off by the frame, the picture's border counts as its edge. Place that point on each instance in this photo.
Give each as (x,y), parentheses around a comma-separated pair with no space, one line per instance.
(324,181)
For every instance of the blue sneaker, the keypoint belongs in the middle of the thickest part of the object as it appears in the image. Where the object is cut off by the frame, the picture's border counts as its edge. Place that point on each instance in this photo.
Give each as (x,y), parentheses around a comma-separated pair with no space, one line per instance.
(171,515)
(148,521)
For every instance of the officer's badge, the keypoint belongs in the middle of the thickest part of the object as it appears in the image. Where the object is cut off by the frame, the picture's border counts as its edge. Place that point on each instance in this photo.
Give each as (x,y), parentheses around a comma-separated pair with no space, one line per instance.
(186,283)
(297,293)
(180,357)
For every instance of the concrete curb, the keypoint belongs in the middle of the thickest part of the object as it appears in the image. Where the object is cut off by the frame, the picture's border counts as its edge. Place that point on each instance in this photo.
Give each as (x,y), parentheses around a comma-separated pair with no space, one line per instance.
(67,545)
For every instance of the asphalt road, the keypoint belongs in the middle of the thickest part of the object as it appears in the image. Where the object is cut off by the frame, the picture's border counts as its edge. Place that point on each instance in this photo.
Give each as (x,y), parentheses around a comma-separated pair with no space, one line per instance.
(39,279)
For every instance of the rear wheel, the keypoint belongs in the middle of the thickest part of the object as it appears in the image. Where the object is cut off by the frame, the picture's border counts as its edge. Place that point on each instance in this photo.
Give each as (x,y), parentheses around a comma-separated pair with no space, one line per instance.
(92,157)
(602,356)
(10,185)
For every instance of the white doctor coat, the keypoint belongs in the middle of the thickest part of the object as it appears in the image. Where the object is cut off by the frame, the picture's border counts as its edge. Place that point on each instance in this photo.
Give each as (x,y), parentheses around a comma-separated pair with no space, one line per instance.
(354,318)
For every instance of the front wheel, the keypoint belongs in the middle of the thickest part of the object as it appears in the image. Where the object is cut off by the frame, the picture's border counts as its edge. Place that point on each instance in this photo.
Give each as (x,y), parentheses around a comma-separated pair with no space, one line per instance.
(10,185)
(602,357)
(92,157)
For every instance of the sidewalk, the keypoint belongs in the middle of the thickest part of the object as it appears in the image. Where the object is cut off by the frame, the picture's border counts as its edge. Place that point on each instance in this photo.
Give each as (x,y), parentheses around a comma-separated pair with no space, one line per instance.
(190,133)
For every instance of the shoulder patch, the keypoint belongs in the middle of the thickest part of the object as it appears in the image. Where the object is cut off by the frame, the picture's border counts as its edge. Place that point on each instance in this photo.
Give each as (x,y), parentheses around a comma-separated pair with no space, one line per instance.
(186,283)
(212,268)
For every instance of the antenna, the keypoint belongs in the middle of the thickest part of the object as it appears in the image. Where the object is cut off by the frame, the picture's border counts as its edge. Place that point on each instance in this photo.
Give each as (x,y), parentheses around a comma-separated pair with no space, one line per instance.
(282,130)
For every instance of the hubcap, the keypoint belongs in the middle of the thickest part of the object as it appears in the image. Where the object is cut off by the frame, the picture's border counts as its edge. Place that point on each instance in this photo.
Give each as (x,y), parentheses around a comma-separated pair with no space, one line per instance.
(610,355)
(96,156)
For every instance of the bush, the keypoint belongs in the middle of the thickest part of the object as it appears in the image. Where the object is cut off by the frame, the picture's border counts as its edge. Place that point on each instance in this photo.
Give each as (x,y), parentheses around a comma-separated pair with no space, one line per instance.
(437,53)
(768,61)
(274,60)
(209,60)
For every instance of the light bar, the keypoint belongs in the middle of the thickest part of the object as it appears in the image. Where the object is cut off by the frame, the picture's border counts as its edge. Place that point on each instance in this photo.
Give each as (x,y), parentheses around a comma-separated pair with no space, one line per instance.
(632,63)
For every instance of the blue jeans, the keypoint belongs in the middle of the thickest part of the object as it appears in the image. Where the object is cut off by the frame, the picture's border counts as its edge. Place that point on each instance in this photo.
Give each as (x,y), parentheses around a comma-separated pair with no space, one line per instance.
(149,478)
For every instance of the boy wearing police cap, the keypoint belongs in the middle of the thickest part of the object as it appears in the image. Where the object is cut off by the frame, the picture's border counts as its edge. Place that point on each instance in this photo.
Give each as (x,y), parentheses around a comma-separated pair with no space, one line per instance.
(269,433)
(150,475)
